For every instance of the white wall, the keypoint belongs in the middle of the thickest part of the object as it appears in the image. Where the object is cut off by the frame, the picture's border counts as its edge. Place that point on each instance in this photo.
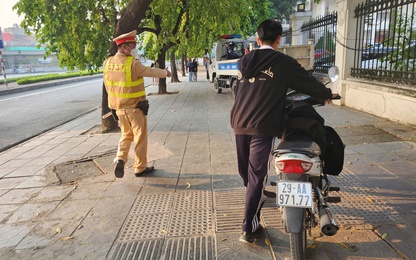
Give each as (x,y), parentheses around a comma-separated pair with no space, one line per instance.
(396,103)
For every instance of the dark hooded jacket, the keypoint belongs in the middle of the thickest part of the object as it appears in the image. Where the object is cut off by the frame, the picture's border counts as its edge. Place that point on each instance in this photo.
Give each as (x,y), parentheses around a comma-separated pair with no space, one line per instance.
(264,76)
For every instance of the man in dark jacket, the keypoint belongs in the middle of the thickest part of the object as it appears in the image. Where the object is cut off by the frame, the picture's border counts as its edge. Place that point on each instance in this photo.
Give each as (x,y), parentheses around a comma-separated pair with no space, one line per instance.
(190,70)
(195,70)
(258,114)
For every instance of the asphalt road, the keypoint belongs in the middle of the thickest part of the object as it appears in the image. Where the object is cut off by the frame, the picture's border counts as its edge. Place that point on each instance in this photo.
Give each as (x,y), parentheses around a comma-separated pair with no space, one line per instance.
(27,114)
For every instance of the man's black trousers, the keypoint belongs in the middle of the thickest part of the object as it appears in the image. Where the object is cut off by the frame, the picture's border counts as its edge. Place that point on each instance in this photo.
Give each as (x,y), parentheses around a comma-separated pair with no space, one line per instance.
(253,152)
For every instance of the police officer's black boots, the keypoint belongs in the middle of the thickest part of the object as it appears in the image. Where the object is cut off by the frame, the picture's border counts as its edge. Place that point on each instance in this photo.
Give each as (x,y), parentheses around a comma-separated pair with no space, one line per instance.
(119,171)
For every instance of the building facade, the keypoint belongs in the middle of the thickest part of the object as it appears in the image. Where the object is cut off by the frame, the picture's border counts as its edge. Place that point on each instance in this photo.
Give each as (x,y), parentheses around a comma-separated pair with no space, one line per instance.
(22,54)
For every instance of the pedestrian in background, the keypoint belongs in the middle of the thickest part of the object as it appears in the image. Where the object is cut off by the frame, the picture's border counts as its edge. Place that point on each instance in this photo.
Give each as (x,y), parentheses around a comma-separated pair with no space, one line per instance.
(155,80)
(123,79)
(195,70)
(207,66)
(190,69)
(258,114)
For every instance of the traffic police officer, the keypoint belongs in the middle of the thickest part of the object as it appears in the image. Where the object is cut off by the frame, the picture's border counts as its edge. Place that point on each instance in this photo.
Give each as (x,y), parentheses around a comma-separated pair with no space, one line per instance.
(123,79)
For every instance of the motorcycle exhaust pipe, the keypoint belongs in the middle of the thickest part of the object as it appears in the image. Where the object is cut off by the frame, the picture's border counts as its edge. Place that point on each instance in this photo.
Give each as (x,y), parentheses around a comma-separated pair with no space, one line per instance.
(329,226)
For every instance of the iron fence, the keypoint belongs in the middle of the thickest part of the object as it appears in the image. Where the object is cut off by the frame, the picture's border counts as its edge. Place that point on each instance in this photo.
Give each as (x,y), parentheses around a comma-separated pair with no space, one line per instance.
(322,31)
(385,46)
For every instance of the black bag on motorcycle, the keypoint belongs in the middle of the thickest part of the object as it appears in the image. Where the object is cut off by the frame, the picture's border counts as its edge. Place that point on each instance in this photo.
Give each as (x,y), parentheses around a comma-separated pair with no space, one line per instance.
(334,152)
(303,118)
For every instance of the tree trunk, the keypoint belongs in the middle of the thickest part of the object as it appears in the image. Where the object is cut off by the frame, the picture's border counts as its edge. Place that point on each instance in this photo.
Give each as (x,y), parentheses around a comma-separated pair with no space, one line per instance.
(161,59)
(174,70)
(130,19)
(183,63)
(108,124)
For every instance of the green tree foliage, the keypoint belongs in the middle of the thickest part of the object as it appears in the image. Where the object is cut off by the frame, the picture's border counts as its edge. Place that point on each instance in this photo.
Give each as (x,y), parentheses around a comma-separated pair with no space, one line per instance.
(79,32)
(327,44)
(402,58)
(193,24)
(148,45)
(282,9)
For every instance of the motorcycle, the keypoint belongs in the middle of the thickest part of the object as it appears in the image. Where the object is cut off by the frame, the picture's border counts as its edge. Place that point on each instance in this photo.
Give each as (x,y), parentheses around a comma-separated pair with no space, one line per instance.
(303,187)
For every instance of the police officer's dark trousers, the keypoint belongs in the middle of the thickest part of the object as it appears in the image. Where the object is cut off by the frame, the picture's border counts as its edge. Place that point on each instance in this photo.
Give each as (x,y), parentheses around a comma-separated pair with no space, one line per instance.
(253,152)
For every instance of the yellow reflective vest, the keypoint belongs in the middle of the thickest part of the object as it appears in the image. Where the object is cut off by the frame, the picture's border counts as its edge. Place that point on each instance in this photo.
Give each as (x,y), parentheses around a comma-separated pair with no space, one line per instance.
(123,91)
(123,79)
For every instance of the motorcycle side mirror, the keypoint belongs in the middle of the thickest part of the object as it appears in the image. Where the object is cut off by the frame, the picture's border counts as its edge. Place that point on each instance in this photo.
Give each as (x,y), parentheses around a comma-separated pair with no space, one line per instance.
(333,73)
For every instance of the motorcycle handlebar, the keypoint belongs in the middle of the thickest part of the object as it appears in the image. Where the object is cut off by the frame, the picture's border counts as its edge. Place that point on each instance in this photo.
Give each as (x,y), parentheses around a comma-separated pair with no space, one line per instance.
(294,97)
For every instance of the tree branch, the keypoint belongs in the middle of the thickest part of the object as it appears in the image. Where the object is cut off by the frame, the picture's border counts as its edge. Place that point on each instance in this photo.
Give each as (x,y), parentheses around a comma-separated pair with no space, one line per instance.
(178,22)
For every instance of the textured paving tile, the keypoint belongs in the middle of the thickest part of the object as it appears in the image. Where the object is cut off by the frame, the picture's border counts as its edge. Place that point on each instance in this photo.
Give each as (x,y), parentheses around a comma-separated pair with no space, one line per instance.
(31,212)
(18,196)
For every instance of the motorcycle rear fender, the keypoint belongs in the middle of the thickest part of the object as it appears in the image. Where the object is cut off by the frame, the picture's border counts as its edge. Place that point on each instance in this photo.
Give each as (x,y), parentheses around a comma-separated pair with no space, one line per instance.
(294,219)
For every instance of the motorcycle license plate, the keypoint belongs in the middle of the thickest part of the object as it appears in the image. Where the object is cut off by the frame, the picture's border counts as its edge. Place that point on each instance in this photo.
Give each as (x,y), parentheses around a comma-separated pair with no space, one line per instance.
(294,194)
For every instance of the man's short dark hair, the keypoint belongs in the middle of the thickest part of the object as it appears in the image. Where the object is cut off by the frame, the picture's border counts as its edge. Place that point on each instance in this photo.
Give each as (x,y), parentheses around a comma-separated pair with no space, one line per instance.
(269,30)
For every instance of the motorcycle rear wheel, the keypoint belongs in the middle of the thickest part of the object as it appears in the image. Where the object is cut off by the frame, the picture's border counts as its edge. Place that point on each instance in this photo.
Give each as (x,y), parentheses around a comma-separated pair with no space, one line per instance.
(298,244)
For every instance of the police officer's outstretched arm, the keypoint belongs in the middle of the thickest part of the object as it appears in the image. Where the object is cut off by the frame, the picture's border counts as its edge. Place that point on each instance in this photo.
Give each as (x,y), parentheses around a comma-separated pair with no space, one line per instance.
(144,71)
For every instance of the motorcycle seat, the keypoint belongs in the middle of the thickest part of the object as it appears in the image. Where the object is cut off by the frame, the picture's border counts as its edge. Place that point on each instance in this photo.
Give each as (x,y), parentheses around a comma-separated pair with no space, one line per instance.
(300,144)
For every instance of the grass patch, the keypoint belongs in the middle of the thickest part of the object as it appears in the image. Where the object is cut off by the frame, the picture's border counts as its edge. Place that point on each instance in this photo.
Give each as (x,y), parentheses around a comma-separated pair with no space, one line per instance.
(10,80)
(47,77)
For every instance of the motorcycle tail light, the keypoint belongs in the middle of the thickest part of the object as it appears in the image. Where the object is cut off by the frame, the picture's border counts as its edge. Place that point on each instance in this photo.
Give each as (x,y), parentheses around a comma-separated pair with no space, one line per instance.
(293,166)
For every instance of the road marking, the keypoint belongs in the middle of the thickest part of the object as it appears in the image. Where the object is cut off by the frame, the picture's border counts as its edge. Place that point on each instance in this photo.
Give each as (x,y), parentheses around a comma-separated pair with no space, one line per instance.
(51,90)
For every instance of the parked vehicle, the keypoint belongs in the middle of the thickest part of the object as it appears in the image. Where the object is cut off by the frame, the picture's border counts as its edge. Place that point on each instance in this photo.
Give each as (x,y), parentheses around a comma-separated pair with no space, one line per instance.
(319,53)
(376,52)
(224,55)
(309,153)
(223,68)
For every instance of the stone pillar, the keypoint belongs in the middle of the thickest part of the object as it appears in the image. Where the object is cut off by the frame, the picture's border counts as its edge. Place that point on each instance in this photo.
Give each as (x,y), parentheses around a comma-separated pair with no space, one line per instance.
(297,20)
(346,34)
